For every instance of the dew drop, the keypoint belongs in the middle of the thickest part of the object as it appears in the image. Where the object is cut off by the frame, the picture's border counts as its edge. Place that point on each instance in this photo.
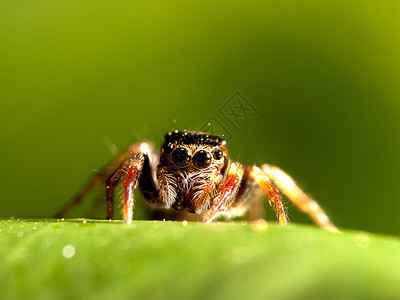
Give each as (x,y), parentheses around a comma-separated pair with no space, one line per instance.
(68,251)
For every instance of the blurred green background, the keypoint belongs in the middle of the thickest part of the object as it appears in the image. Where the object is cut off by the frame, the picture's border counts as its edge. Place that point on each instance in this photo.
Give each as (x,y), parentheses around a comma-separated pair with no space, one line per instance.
(79,76)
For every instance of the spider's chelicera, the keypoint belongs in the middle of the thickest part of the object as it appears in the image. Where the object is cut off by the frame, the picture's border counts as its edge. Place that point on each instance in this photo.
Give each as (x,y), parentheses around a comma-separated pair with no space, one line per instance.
(193,172)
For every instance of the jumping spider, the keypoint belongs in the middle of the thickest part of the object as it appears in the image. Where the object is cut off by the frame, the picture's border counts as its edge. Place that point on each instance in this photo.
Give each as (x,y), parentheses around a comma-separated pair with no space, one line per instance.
(193,172)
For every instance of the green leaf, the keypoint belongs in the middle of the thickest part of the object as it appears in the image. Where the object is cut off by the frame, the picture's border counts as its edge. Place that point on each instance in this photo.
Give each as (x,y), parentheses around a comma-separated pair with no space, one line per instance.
(88,259)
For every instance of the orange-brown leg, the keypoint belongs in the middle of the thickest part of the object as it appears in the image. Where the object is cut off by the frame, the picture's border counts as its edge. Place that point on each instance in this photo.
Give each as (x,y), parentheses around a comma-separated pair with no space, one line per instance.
(271,192)
(228,192)
(105,174)
(133,172)
(304,202)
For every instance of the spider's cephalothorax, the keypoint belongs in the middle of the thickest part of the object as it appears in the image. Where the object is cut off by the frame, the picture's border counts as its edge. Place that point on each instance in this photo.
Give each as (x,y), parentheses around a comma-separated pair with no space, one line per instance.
(193,172)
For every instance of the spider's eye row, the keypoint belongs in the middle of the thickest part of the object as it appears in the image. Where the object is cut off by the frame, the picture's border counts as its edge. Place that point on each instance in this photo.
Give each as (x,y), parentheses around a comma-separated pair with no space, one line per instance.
(167,148)
(180,157)
(202,159)
(218,154)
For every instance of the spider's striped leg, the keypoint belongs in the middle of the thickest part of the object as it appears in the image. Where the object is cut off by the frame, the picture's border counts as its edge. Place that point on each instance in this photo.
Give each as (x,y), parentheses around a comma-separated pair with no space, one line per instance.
(248,199)
(106,172)
(133,170)
(227,193)
(271,192)
(304,202)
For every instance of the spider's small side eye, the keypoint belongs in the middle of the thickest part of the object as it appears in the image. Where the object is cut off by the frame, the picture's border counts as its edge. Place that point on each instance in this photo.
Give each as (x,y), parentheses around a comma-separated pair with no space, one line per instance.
(167,148)
(180,157)
(202,159)
(218,154)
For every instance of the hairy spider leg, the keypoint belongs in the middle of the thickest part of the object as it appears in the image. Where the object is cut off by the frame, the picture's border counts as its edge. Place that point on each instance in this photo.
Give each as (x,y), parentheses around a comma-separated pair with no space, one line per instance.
(131,180)
(94,181)
(304,202)
(106,172)
(271,192)
(228,192)
(111,183)
(248,199)
(207,192)
(131,170)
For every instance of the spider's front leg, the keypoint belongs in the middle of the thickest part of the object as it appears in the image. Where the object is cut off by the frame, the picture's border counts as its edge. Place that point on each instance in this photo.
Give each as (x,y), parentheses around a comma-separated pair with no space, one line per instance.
(115,171)
(227,193)
(131,170)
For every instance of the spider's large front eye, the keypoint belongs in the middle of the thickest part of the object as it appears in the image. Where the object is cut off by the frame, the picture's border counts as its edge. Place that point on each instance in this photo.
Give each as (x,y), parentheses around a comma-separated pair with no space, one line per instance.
(180,157)
(202,159)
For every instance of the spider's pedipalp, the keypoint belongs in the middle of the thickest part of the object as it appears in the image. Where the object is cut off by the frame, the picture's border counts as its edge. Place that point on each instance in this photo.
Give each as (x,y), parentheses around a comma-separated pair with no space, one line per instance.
(300,199)
(227,193)
(200,201)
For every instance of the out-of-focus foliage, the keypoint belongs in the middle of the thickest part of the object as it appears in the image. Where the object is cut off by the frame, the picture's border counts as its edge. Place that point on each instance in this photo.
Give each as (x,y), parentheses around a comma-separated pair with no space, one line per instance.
(168,260)
(323,76)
